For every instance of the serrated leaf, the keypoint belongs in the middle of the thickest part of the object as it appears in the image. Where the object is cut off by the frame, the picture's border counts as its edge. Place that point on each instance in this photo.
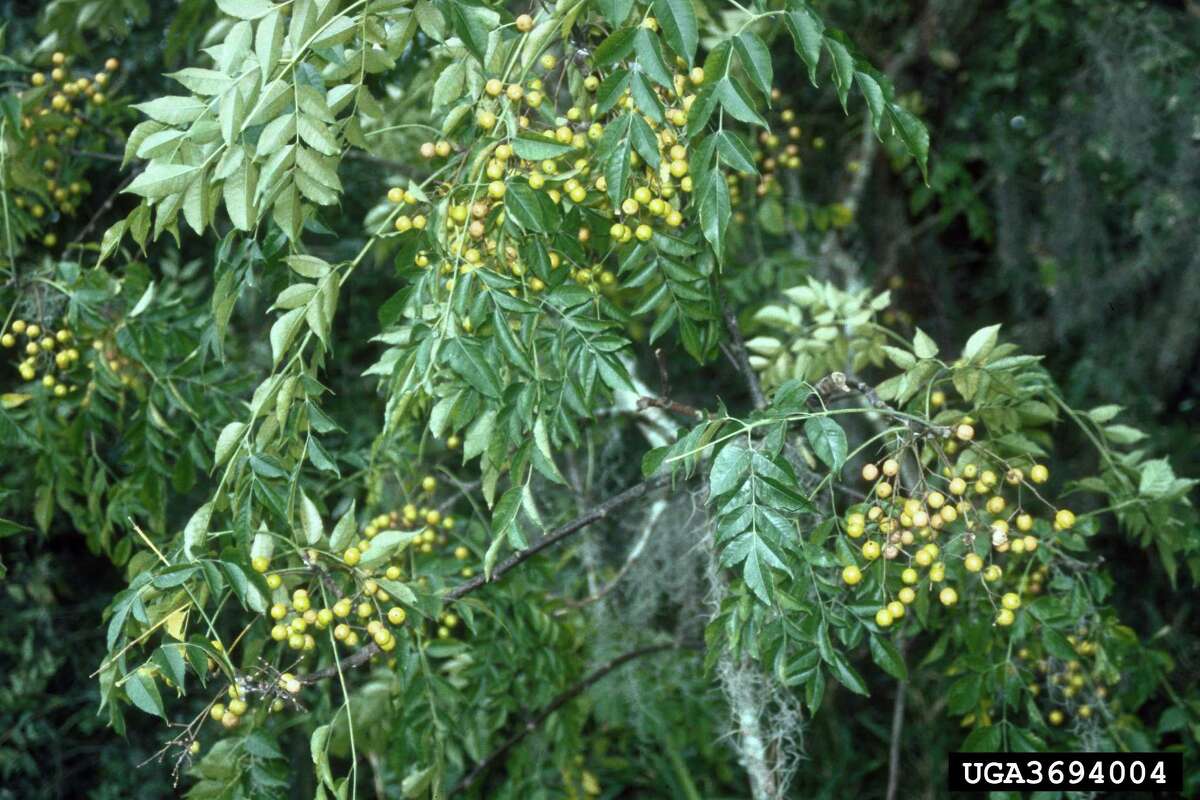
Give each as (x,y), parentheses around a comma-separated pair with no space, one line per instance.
(143,693)
(885,654)
(196,531)
(980,345)
(677,18)
(756,60)
(230,436)
(159,180)
(386,544)
(923,345)
(310,521)
(283,332)
(728,469)
(245,9)
(828,441)
(344,531)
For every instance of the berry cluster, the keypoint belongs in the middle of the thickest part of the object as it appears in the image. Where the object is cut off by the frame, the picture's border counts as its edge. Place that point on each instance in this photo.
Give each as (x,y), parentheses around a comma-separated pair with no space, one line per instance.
(51,355)
(52,122)
(1068,687)
(951,532)
(552,152)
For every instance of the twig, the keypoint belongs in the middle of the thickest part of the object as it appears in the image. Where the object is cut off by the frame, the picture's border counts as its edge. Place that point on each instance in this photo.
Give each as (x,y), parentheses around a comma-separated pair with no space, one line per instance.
(839,383)
(597,513)
(674,406)
(323,574)
(104,207)
(558,702)
(897,729)
(740,357)
(634,553)
(617,501)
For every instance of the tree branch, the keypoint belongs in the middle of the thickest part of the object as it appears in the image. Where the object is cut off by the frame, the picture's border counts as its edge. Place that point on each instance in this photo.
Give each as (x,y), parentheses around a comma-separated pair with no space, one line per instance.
(555,536)
(558,702)
(674,406)
(897,729)
(599,512)
(741,358)
(839,383)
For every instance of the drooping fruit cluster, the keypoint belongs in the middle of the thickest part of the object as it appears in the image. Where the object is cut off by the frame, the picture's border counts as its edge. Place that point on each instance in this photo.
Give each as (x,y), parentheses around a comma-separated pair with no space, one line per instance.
(954,531)
(538,155)
(49,357)
(46,181)
(1067,688)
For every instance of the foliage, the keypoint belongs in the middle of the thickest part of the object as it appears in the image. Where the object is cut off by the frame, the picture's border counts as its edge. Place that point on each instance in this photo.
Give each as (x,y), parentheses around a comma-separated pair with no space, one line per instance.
(329,331)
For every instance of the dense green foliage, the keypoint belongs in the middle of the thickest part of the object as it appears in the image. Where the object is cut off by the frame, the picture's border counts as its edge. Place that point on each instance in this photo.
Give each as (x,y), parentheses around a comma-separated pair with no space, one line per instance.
(436,398)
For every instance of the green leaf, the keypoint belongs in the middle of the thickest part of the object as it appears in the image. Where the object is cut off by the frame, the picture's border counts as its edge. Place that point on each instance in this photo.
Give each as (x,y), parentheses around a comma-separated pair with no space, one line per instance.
(283,332)
(914,135)
(173,109)
(843,68)
(980,345)
(1057,645)
(386,544)
(846,675)
(734,152)
(923,345)
(615,11)
(650,57)
(1157,479)
(344,531)
(873,94)
(735,101)
(308,266)
(885,654)
(729,469)
(715,210)
(807,32)
(143,693)
(472,24)
(310,521)
(160,180)
(678,21)
(202,81)
(230,436)
(246,9)
(468,360)
(196,530)
(504,518)
(644,141)
(987,739)
(756,60)
(538,148)
(828,441)
(901,358)
(618,145)
(522,206)
(616,47)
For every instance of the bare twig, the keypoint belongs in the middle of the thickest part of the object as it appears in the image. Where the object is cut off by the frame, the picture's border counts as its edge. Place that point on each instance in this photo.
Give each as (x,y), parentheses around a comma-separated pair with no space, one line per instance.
(839,383)
(741,358)
(598,512)
(558,702)
(897,730)
(674,406)
(104,207)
